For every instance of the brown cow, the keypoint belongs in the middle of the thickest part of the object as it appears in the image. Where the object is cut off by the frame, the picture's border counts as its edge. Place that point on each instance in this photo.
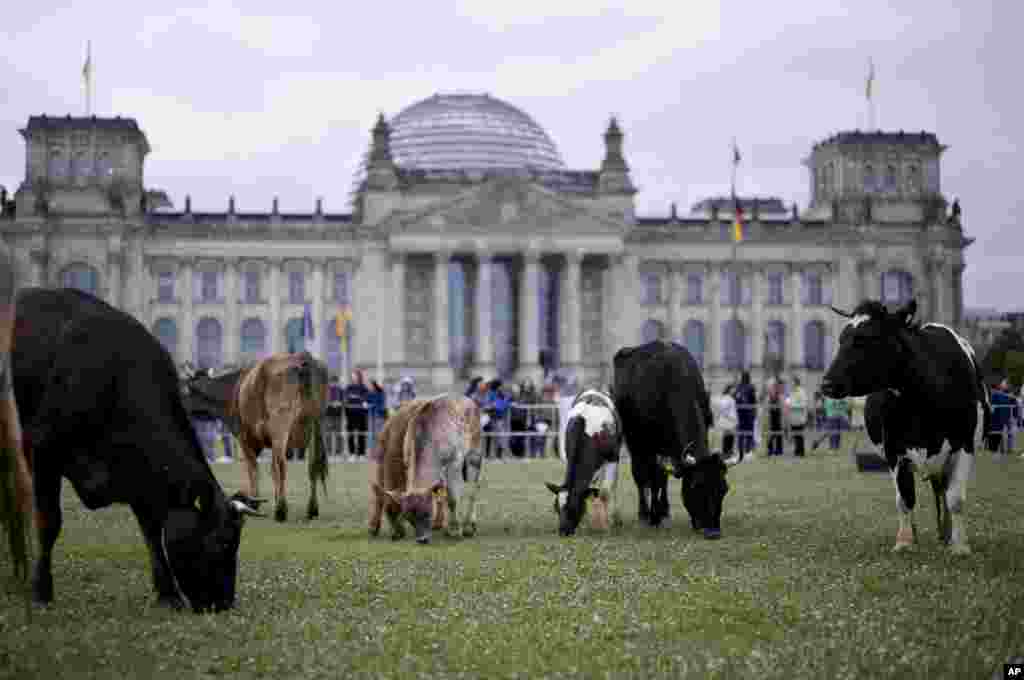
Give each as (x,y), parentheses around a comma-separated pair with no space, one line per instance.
(428,450)
(15,480)
(275,403)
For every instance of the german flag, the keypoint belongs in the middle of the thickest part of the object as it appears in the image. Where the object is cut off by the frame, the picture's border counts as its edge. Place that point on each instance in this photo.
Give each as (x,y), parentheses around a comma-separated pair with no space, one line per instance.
(737,223)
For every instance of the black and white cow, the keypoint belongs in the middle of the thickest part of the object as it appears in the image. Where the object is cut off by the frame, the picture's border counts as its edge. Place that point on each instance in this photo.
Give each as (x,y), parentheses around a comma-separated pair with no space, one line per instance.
(925,388)
(593,439)
(666,412)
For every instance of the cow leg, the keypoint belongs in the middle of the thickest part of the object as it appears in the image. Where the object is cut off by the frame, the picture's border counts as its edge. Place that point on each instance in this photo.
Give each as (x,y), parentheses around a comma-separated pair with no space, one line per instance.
(609,487)
(376,502)
(163,582)
(313,508)
(471,470)
(395,519)
(941,512)
(641,477)
(903,478)
(456,488)
(250,453)
(47,486)
(659,497)
(956,496)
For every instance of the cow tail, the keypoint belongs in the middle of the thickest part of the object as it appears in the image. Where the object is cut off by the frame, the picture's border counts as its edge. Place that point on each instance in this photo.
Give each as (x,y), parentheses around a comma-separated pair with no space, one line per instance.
(409,443)
(985,399)
(316,453)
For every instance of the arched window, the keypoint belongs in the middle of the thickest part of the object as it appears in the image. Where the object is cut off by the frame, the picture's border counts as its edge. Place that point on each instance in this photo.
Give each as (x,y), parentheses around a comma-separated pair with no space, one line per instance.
(693,339)
(503,318)
(776,288)
(734,345)
(166,331)
(341,288)
(296,287)
(293,337)
(458,345)
(652,330)
(733,290)
(254,340)
(650,288)
(812,289)
(814,345)
(890,178)
(694,289)
(870,183)
(83,277)
(57,165)
(104,165)
(82,168)
(252,286)
(775,346)
(549,317)
(897,287)
(208,343)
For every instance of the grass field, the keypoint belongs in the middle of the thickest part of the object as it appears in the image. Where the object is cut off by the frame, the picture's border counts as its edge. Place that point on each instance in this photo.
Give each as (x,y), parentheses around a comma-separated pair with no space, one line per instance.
(803,584)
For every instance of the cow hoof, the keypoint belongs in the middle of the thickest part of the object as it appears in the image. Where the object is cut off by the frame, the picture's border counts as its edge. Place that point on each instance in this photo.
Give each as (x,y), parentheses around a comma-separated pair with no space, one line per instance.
(902,545)
(712,534)
(281,512)
(42,590)
(454,531)
(617,522)
(397,535)
(374,533)
(960,549)
(423,540)
(469,530)
(170,602)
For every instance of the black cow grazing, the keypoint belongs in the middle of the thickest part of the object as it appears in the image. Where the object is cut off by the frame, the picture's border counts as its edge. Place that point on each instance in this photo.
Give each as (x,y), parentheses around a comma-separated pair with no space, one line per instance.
(666,412)
(593,440)
(100,402)
(925,388)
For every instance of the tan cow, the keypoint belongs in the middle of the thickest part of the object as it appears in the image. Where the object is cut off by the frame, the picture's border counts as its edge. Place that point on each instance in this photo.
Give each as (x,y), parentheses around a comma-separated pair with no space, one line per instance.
(425,461)
(15,479)
(278,403)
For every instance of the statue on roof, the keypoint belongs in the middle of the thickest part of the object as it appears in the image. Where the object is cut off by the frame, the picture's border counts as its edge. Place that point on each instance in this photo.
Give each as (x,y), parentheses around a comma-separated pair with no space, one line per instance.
(956,210)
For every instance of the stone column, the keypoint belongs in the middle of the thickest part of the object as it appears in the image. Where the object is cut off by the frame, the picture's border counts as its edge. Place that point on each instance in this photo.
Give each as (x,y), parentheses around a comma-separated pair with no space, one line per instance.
(276,330)
(398,334)
(529,321)
(796,354)
(572,350)
(867,271)
(442,366)
(114,269)
(940,282)
(318,349)
(233,332)
(713,351)
(757,332)
(956,312)
(674,299)
(483,306)
(187,351)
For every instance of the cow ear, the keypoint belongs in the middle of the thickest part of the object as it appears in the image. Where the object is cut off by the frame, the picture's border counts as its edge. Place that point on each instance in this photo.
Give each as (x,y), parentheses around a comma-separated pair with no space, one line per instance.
(553,488)
(906,313)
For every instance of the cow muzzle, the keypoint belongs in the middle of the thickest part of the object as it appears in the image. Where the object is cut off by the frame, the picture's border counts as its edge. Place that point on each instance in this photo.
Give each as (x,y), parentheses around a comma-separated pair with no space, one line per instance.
(832,389)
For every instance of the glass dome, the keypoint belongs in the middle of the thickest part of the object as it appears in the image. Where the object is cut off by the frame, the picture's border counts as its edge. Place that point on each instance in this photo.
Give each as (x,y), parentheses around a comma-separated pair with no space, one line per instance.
(470,131)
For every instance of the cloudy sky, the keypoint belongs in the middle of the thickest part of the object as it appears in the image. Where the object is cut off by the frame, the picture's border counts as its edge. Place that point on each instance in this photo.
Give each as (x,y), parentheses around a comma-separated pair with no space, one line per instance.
(260,98)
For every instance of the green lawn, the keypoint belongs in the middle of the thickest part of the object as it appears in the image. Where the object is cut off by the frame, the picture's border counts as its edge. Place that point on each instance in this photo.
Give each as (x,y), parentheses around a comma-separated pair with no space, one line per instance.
(803,584)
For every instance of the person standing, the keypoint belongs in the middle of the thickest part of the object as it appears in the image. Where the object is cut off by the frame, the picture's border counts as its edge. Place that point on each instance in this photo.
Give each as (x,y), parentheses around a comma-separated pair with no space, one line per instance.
(796,408)
(746,409)
(775,397)
(356,406)
(378,405)
(726,419)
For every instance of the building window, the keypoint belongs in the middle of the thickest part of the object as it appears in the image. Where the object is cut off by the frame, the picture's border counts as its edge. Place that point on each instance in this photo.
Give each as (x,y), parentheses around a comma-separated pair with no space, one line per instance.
(341,291)
(733,292)
(814,345)
(694,289)
(870,183)
(913,179)
(776,288)
(254,340)
(693,338)
(813,293)
(503,319)
(166,331)
(104,166)
(296,287)
(549,318)
(83,277)
(775,346)
(295,341)
(57,165)
(458,324)
(890,178)
(734,346)
(650,288)
(208,345)
(252,286)
(897,288)
(652,330)
(208,286)
(82,169)
(165,286)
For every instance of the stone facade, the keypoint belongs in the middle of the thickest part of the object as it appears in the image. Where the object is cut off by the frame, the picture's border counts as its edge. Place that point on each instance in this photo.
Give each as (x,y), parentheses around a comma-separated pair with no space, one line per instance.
(223,288)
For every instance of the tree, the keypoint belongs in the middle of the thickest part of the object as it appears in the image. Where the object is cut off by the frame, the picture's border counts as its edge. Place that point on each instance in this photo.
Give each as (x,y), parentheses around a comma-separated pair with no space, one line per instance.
(1006,357)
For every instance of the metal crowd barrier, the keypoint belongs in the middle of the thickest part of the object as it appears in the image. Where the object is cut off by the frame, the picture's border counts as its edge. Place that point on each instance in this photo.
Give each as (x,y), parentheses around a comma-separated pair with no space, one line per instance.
(544,442)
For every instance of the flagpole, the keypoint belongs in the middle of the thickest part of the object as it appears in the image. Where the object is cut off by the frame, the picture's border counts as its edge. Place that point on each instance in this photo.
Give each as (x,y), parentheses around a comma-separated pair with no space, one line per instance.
(380,353)
(87,73)
(869,93)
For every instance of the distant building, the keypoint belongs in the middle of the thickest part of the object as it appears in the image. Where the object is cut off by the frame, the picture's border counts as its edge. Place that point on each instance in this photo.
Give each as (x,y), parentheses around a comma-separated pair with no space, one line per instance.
(472,249)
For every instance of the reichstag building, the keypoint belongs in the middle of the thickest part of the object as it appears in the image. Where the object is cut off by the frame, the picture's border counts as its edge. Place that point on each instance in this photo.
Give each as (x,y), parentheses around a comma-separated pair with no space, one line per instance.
(470,248)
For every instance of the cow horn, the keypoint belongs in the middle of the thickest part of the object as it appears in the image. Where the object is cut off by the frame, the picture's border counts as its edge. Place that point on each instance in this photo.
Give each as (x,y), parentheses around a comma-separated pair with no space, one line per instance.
(848,315)
(689,460)
(243,509)
(734,459)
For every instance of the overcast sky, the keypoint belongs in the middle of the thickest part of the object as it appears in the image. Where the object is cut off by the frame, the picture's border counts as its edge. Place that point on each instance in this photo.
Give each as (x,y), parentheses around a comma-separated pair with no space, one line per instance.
(241,98)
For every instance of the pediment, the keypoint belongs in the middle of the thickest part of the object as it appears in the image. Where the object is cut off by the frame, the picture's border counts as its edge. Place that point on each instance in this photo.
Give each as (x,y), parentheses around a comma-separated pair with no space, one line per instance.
(508,206)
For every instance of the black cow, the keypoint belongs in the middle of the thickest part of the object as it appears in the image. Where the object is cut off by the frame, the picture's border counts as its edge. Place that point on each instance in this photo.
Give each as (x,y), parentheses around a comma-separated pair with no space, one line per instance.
(101,405)
(666,412)
(925,388)
(593,440)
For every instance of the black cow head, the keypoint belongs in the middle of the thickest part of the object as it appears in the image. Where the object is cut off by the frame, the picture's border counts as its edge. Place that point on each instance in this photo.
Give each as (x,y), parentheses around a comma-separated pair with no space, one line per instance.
(870,353)
(704,490)
(571,507)
(200,542)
